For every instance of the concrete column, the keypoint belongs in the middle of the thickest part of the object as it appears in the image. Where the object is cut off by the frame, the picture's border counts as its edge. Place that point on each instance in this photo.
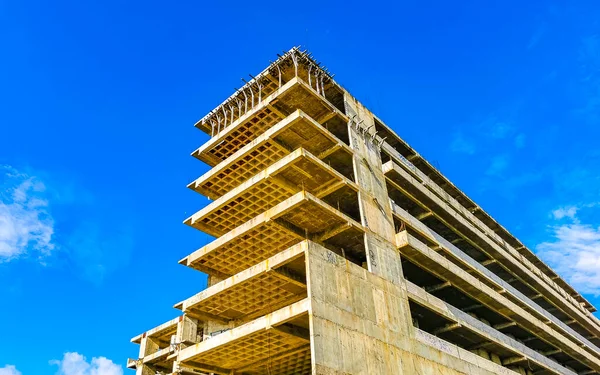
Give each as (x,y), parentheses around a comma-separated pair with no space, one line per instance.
(145,370)
(376,214)
(213,326)
(187,331)
(147,347)
(359,322)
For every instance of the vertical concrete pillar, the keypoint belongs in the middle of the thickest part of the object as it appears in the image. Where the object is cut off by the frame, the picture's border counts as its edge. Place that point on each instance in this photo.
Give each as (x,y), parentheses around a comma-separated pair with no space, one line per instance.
(187,331)
(359,322)
(147,347)
(376,213)
(209,327)
(144,370)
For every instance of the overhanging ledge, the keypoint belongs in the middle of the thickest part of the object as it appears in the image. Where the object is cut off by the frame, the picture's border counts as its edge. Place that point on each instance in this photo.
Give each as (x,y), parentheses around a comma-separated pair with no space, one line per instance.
(266,337)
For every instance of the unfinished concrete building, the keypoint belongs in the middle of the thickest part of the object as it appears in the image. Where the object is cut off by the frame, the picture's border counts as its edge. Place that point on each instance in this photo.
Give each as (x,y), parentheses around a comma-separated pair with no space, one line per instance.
(339,250)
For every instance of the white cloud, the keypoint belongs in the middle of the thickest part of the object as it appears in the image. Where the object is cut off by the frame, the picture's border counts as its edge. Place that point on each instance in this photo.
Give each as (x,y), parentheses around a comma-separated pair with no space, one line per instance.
(9,370)
(562,212)
(462,145)
(574,252)
(570,212)
(76,364)
(26,226)
(76,233)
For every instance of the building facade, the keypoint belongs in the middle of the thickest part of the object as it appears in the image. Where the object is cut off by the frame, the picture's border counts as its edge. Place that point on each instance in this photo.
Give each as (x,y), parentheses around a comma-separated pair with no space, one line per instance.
(339,250)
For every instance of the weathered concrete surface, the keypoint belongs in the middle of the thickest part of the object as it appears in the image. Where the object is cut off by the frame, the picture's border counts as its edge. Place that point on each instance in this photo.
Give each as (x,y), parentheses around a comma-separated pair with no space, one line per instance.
(448,210)
(359,325)
(488,277)
(246,344)
(298,130)
(259,290)
(420,253)
(376,214)
(490,334)
(316,271)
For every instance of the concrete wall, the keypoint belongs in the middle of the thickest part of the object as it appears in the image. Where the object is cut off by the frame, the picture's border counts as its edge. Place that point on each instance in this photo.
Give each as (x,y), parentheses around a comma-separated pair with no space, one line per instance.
(360,324)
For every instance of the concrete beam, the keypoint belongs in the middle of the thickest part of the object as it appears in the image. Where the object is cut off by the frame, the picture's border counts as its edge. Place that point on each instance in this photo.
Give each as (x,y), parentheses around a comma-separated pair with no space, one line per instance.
(216,351)
(272,231)
(502,326)
(472,307)
(297,355)
(220,300)
(464,223)
(487,333)
(315,105)
(158,330)
(424,215)
(547,273)
(441,267)
(446,328)
(435,288)
(490,279)
(274,184)
(513,360)
(486,263)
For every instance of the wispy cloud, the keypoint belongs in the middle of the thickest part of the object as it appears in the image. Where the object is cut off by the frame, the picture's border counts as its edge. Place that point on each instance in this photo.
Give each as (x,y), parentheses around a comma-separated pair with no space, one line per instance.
(571,212)
(565,212)
(462,145)
(589,59)
(499,129)
(74,363)
(96,250)
(537,35)
(9,370)
(26,225)
(498,165)
(520,141)
(574,251)
(511,185)
(78,233)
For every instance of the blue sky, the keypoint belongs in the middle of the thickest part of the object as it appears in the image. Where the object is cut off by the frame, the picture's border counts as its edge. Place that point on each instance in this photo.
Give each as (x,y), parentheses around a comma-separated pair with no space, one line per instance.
(98,101)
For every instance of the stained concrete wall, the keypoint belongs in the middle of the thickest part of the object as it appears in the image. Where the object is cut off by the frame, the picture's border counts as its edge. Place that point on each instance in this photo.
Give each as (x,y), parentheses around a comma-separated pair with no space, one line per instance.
(376,213)
(360,324)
